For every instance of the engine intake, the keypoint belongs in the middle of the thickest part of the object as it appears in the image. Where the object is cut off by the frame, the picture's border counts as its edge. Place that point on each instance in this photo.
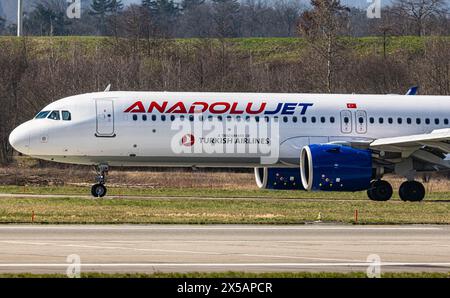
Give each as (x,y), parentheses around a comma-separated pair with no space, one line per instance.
(331,167)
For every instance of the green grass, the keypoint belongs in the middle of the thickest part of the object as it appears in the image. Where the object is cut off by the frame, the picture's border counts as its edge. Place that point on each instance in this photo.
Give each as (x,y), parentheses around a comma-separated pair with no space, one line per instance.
(261,49)
(221,207)
(234,275)
(203,193)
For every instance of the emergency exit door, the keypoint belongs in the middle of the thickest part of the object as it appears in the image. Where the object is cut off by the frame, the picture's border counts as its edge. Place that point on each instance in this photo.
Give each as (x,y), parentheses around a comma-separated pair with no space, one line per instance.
(361,121)
(105,118)
(346,121)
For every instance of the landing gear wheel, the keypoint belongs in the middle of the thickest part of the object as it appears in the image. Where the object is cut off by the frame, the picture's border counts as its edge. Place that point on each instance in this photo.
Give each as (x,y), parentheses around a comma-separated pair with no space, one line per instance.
(412,191)
(98,190)
(380,190)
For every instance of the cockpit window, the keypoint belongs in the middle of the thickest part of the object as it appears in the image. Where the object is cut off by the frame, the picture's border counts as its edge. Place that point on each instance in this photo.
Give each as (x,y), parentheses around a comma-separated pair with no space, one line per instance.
(66,115)
(42,115)
(54,115)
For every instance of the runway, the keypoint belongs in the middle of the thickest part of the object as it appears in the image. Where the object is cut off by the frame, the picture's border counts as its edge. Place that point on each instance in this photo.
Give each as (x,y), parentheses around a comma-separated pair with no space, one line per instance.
(251,248)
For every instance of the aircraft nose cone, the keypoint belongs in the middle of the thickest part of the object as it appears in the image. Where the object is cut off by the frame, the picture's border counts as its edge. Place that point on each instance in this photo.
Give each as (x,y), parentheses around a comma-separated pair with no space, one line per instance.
(20,139)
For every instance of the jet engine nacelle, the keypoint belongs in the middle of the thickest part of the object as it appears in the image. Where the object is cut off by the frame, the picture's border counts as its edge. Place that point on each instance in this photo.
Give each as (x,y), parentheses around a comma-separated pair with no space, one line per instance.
(278,178)
(331,167)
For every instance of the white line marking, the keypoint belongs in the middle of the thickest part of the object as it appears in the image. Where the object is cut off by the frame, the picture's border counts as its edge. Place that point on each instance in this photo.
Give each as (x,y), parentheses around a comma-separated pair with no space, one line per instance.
(177,251)
(211,228)
(364,264)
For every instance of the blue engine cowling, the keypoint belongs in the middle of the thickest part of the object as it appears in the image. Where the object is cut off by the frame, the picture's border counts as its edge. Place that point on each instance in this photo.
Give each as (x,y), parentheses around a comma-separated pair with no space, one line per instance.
(331,167)
(278,178)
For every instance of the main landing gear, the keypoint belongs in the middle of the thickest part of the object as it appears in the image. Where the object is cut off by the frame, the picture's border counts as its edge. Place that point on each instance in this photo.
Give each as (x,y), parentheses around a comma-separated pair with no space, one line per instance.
(98,190)
(412,191)
(381,190)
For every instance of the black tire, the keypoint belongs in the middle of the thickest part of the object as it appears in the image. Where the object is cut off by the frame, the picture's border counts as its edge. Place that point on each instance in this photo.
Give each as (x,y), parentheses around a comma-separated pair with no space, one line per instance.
(370,191)
(98,190)
(380,191)
(412,191)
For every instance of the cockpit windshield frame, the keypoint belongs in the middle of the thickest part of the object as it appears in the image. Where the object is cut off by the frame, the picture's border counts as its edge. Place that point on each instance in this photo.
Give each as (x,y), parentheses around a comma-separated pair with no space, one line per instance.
(54,115)
(42,115)
(66,115)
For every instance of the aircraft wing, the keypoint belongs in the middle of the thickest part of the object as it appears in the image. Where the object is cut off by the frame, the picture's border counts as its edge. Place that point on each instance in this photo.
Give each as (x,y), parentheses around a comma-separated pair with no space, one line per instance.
(432,147)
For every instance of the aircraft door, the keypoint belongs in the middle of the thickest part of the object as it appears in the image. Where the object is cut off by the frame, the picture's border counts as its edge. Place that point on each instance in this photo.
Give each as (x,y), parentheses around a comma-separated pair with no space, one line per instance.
(105,118)
(361,121)
(346,121)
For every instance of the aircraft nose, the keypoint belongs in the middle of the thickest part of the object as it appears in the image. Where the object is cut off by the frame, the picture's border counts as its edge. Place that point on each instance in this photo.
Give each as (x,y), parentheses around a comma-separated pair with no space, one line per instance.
(20,139)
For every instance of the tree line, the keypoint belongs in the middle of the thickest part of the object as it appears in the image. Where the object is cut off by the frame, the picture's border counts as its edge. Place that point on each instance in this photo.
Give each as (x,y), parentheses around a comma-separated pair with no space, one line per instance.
(31,78)
(225,18)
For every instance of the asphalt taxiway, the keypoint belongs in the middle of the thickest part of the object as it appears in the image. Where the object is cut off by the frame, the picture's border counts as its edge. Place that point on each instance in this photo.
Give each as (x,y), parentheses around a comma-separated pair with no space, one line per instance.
(255,248)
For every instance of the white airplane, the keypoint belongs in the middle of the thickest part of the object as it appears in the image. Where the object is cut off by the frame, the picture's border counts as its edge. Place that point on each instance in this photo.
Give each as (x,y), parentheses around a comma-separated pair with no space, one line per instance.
(319,142)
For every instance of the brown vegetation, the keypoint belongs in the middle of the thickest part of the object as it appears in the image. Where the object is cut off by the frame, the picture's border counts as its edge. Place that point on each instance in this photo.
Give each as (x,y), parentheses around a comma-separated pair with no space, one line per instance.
(31,78)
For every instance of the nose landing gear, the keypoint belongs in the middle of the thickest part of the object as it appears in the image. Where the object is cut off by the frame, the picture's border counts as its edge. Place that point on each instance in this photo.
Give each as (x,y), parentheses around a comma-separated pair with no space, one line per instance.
(98,190)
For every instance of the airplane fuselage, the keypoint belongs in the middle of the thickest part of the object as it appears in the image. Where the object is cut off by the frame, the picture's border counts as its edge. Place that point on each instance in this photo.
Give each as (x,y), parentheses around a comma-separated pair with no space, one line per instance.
(140,128)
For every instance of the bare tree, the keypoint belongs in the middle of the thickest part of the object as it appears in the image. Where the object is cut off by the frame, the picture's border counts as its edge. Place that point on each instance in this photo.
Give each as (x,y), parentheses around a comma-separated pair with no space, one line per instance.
(321,27)
(419,12)
(226,17)
(13,63)
(289,11)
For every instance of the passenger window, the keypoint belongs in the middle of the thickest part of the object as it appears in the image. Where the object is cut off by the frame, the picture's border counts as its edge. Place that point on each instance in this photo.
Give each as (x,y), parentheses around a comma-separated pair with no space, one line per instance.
(257,118)
(313,119)
(399,120)
(361,120)
(238,118)
(135,117)
(219,118)
(275,118)
(390,120)
(247,118)
(172,118)
(285,119)
(294,119)
(163,117)
(54,115)
(304,119)
(427,121)
(436,121)
(381,120)
(66,116)
(182,118)
(322,119)
(408,120)
(266,118)
(191,118)
(446,121)
(144,117)
(332,119)
(42,115)
(346,120)
(418,121)
(372,120)
(153,117)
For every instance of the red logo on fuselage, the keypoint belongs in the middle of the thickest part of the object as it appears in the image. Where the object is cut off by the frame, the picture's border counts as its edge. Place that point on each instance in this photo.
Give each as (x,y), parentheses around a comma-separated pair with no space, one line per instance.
(195,107)
(188,140)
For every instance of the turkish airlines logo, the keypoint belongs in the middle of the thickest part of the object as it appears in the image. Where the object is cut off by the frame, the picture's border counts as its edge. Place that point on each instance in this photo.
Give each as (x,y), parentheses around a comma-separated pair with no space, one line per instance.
(188,140)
